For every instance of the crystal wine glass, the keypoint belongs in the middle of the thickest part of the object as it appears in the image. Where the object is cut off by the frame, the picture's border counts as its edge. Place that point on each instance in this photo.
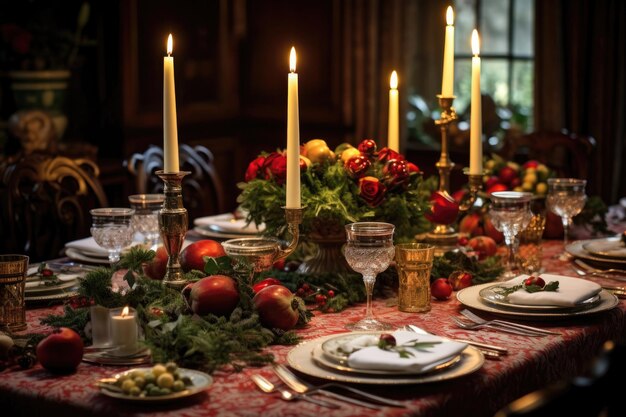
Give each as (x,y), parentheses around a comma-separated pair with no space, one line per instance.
(510,213)
(112,229)
(369,251)
(146,216)
(566,198)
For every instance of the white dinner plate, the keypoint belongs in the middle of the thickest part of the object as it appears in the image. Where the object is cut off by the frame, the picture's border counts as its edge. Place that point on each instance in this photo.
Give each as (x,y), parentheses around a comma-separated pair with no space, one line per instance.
(577,250)
(490,295)
(470,297)
(218,235)
(612,248)
(227,223)
(32,288)
(301,359)
(200,381)
(76,255)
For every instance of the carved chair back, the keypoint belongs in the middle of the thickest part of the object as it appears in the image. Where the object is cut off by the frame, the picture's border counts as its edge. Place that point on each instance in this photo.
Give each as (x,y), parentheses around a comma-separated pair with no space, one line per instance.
(202,189)
(45,203)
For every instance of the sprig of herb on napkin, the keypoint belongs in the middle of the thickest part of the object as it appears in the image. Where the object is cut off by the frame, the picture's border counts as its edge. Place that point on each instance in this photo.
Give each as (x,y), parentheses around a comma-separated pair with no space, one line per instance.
(388,342)
(505,291)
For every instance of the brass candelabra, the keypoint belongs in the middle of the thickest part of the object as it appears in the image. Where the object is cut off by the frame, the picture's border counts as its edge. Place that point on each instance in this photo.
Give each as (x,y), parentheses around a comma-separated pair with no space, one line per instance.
(173,225)
(444,236)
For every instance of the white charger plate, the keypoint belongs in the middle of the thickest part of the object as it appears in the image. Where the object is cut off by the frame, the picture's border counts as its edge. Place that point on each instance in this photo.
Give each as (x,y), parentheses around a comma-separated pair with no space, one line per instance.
(301,358)
(470,297)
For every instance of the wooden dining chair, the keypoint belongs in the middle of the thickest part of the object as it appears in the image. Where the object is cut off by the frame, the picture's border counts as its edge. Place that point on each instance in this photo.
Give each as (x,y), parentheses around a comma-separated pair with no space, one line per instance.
(45,202)
(568,154)
(202,189)
(589,395)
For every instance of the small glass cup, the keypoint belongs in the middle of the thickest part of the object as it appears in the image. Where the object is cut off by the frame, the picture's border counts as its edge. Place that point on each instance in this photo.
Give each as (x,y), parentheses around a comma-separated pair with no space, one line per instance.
(146,217)
(414,262)
(111,229)
(12,282)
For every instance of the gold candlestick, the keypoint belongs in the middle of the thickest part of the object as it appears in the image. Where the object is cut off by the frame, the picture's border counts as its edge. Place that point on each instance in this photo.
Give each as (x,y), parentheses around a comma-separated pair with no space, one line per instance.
(444,236)
(173,224)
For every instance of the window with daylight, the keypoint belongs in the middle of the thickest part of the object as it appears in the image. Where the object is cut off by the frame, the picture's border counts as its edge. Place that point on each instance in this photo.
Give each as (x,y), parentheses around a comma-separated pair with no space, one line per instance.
(506,29)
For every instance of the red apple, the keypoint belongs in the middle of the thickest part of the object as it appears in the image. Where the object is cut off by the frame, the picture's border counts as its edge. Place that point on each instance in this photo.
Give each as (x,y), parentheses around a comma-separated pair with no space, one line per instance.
(215,294)
(265,283)
(443,209)
(155,269)
(277,307)
(531,164)
(460,280)
(492,232)
(441,289)
(483,245)
(471,224)
(191,256)
(554,226)
(493,180)
(507,174)
(61,352)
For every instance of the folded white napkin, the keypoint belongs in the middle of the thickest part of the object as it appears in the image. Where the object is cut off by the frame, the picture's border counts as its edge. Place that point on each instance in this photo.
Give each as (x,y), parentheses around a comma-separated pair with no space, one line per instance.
(227,223)
(572,291)
(423,360)
(88,246)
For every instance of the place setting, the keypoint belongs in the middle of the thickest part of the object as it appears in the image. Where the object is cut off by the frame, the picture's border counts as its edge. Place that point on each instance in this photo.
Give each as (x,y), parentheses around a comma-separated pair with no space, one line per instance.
(48,282)
(227,226)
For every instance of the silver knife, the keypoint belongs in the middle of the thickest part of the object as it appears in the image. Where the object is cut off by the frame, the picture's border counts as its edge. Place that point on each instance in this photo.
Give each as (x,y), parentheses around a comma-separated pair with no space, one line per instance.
(295,384)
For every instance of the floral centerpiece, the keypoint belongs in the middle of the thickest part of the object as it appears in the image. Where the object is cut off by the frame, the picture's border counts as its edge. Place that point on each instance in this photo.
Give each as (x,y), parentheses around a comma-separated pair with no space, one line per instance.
(339,187)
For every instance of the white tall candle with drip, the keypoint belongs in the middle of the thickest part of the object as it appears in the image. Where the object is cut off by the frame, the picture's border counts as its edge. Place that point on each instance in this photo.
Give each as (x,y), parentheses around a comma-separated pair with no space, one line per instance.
(293,136)
(476,122)
(170,130)
(447,82)
(393,131)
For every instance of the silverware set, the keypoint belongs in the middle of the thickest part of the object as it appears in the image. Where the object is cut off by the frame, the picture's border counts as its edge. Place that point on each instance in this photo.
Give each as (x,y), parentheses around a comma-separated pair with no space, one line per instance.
(476,323)
(583,269)
(300,390)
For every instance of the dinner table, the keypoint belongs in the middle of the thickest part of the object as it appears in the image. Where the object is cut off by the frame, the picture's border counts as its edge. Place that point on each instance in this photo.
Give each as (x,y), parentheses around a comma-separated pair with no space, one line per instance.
(531,363)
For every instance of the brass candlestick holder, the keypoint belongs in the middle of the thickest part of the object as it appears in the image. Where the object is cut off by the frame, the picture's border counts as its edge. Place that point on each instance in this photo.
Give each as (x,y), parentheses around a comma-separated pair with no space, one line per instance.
(258,254)
(173,224)
(444,236)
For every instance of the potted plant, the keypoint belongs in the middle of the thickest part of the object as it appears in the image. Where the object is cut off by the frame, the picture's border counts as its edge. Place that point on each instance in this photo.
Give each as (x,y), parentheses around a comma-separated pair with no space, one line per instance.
(37,57)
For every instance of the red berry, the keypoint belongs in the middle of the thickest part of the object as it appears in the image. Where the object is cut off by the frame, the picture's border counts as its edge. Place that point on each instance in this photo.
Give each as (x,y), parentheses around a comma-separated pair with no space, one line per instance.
(532,280)
(47,272)
(331,293)
(305,286)
(463,241)
(300,292)
(386,339)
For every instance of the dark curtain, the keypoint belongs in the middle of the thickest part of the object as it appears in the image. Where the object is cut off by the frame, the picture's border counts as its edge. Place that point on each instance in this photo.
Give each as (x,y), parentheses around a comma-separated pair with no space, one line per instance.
(580,82)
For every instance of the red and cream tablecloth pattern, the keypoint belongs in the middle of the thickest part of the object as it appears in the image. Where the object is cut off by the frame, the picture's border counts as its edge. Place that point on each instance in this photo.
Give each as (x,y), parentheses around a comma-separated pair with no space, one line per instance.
(532,363)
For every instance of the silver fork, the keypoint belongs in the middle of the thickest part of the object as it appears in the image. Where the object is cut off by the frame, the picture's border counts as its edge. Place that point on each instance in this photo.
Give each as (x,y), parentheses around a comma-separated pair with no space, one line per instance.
(590,270)
(475,326)
(266,386)
(473,317)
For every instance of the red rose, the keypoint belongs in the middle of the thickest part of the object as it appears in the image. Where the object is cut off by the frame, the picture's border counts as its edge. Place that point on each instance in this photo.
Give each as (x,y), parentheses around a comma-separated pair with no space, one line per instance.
(275,166)
(367,147)
(396,172)
(254,168)
(372,191)
(357,166)
(386,154)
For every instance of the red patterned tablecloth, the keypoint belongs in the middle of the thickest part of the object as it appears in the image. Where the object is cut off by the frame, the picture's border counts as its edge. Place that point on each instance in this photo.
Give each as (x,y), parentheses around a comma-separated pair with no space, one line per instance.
(531,363)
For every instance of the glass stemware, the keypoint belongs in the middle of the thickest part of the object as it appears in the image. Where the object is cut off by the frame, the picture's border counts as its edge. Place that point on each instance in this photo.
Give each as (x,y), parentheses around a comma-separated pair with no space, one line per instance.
(566,198)
(369,251)
(111,228)
(510,213)
(146,216)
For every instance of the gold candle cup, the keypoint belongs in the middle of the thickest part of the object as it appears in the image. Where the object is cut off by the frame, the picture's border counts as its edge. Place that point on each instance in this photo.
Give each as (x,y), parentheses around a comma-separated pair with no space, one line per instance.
(413,263)
(12,282)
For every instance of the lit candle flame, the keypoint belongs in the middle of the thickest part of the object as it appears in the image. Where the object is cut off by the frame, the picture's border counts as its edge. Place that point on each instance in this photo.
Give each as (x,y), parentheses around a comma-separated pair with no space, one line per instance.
(449,16)
(475,43)
(125,310)
(292,60)
(393,81)
(169,45)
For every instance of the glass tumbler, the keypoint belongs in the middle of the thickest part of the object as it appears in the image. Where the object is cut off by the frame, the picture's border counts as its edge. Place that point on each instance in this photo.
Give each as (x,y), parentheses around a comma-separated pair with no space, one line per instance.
(413,263)
(12,282)
(146,217)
